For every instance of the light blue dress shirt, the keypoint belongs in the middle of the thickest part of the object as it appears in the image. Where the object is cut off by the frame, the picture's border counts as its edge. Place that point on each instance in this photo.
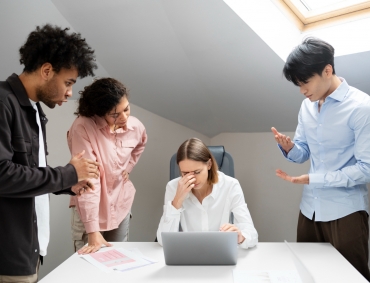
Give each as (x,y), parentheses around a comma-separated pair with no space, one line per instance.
(337,142)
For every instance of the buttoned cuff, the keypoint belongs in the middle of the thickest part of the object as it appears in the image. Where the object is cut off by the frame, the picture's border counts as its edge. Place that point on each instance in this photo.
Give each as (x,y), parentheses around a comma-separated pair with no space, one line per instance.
(244,245)
(317,179)
(172,211)
(291,154)
(282,150)
(294,153)
(92,226)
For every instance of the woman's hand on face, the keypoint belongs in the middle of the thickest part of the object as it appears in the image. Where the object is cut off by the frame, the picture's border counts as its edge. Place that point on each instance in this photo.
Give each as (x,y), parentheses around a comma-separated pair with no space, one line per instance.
(186,183)
(232,228)
(96,241)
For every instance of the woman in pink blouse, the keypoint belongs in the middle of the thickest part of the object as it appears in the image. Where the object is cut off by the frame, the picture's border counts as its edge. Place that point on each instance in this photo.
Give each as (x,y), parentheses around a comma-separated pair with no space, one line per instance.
(109,135)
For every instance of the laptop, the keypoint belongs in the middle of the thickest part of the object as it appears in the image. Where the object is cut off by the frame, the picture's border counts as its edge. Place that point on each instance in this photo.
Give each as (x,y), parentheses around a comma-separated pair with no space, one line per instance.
(303,272)
(200,248)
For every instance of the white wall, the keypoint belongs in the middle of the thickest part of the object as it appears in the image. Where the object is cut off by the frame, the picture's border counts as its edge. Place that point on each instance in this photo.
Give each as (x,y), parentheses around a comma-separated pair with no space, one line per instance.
(149,176)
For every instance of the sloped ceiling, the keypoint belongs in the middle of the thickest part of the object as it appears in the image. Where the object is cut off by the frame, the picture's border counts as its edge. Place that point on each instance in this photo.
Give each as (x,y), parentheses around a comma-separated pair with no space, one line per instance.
(196,63)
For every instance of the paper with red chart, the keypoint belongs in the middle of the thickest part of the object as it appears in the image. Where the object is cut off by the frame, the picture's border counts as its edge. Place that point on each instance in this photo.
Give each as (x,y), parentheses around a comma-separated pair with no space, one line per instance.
(118,259)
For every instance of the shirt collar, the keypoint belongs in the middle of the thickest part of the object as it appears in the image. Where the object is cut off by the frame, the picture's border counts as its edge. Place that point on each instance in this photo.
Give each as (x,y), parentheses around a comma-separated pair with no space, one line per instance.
(340,93)
(21,93)
(19,90)
(215,189)
(102,123)
(33,103)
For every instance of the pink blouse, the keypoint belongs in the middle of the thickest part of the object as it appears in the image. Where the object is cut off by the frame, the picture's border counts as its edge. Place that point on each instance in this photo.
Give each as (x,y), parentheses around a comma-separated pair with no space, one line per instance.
(104,208)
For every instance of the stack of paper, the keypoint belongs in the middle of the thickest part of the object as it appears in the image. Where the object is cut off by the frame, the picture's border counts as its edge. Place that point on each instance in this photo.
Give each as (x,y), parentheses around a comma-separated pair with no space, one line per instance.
(118,259)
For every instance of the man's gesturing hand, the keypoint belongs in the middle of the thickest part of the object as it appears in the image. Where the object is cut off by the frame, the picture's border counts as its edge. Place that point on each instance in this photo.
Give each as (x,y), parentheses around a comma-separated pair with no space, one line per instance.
(82,187)
(284,141)
(85,168)
(303,179)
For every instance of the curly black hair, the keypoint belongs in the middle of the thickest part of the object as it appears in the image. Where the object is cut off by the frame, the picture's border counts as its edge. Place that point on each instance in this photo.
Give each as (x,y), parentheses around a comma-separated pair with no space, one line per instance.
(51,44)
(100,97)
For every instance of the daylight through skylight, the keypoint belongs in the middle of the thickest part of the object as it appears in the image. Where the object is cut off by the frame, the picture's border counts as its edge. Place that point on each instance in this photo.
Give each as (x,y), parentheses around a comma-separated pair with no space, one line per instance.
(315,11)
(277,23)
(317,4)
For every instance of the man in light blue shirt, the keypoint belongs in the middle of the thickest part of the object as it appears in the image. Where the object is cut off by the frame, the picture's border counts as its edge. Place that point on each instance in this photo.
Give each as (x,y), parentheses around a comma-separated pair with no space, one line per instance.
(334,133)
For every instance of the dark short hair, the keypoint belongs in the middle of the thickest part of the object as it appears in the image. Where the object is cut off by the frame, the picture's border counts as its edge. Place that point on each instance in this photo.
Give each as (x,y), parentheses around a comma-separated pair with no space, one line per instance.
(307,59)
(195,149)
(100,97)
(51,44)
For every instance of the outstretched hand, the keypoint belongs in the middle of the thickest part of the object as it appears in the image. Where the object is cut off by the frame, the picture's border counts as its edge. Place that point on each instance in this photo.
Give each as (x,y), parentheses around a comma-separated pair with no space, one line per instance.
(303,179)
(284,141)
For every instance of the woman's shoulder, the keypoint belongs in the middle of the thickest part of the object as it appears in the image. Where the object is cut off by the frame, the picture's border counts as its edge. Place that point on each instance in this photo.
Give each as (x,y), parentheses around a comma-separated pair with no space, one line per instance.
(228,184)
(82,120)
(173,183)
(224,179)
(135,122)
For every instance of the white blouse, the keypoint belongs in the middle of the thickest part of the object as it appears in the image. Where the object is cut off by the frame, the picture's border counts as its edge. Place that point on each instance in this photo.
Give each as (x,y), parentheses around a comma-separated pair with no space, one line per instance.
(226,197)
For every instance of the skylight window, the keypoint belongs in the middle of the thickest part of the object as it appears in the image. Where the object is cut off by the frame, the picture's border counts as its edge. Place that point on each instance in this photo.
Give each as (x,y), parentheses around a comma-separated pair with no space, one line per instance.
(317,11)
(282,30)
(317,4)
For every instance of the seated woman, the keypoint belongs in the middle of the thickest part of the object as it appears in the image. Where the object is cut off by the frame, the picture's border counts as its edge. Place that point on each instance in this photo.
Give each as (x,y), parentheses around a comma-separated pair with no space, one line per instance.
(108,134)
(203,198)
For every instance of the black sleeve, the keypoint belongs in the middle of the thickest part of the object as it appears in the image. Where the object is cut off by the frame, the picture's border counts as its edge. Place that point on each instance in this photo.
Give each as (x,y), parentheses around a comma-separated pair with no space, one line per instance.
(65,192)
(22,181)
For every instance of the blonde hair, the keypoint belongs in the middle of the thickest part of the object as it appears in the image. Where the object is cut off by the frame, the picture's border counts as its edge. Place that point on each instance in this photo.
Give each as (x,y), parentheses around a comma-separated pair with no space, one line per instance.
(195,149)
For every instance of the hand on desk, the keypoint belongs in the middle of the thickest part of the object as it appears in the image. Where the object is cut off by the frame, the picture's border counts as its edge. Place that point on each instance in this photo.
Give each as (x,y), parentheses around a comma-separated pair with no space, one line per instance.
(232,228)
(96,241)
(303,179)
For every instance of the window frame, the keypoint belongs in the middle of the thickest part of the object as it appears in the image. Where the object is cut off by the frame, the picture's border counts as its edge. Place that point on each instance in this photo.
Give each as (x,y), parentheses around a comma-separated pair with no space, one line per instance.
(325,16)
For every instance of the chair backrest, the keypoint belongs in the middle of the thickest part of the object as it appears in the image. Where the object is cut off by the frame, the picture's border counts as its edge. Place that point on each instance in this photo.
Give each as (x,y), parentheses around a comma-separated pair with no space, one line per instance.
(224,161)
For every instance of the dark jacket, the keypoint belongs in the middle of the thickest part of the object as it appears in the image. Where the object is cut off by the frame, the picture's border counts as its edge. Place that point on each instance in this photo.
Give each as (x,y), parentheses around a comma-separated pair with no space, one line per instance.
(21,179)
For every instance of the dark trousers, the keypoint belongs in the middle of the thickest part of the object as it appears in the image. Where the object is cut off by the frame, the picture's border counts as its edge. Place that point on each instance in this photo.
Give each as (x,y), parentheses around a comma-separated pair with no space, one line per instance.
(349,235)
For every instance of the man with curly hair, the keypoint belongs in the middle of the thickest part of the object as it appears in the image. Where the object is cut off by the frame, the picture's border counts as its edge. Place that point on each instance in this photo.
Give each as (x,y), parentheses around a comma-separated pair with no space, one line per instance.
(53,58)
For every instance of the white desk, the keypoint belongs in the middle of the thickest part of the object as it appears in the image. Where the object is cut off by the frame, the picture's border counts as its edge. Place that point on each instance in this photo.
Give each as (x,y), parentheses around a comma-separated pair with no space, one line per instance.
(325,263)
